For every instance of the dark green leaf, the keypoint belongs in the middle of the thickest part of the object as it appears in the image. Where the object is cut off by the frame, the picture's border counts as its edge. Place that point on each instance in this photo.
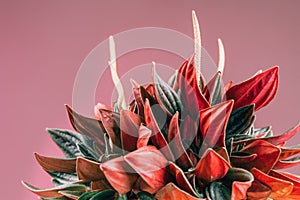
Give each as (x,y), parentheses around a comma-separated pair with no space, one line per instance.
(216,95)
(60,178)
(104,195)
(218,191)
(87,195)
(67,141)
(172,79)
(71,194)
(240,120)
(87,151)
(166,95)
(145,196)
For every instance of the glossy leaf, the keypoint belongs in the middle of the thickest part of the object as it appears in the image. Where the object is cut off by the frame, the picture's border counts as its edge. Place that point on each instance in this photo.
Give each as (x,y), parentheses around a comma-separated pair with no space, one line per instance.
(104,195)
(71,194)
(119,174)
(267,156)
(192,98)
(287,163)
(150,164)
(239,120)
(157,137)
(166,96)
(172,192)
(217,191)
(239,180)
(53,192)
(144,136)
(258,191)
(87,151)
(144,196)
(87,126)
(88,170)
(181,179)
(175,144)
(213,123)
(67,141)
(211,167)
(258,90)
(129,124)
(56,164)
(280,188)
(88,195)
(289,151)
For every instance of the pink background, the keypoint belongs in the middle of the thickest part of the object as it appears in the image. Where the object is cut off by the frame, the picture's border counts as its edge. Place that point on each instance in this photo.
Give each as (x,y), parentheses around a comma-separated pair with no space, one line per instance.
(43,43)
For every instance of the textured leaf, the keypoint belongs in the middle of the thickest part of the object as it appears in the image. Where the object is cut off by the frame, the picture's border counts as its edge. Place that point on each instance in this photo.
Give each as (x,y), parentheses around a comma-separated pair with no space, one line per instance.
(119,174)
(213,122)
(67,141)
(217,191)
(87,151)
(87,126)
(213,91)
(240,120)
(239,180)
(71,194)
(56,164)
(157,137)
(88,195)
(181,179)
(129,124)
(172,192)
(267,156)
(144,136)
(258,90)
(53,192)
(175,144)
(166,96)
(211,167)
(280,188)
(150,164)
(61,178)
(192,98)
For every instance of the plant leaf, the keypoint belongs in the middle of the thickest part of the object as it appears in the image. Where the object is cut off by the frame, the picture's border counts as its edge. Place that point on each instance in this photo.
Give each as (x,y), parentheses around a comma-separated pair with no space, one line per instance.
(172,192)
(211,167)
(67,141)
(88,170)
(166,96)
(213,91)
(213,123)
(217,191)
(258,191)
(87,151)
(56,164)
(145,196)
(280,188)
(144,136)
(104,195)
(258,90)
(287,163)
(87,126)
(119,174)
(176,146)
(150,164)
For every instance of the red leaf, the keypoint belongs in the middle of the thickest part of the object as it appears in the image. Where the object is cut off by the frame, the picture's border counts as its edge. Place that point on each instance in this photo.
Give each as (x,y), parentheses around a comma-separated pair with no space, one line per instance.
(283,164)
(56,164)
(208,89)
(240,160)
(172,192)
(119,174)
(211,167)
(129,124)
(90,127)
(88,170)
(258,90)
(150,164)
(258,191)
(100,106)
(144,136)
(181,179)
(280,188)
(138,97)
(240,180)
(213,123)
(188,130)
(193,99)
(267,156)
(176,146)
(157,137)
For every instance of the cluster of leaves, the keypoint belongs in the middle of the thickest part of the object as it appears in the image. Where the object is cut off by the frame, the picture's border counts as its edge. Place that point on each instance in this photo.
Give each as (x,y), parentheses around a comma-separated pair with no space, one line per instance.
(177,140)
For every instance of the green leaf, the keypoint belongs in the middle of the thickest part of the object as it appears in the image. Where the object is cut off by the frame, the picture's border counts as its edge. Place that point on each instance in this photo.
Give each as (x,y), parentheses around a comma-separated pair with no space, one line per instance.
(87,195)
(216,95)
(240,120)
(104,195)
(67,141)
(87,151)
(166,95)
(57,198)
(172,79)
(71,194)
(217,191)
(145,196)
(60,178)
